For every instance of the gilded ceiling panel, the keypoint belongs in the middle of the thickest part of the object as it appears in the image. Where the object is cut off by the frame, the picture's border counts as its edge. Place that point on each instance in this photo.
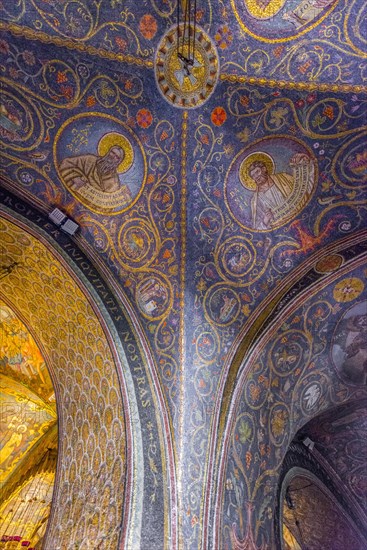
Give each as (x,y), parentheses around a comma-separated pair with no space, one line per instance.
(28,430)
(38,289)
(92,379)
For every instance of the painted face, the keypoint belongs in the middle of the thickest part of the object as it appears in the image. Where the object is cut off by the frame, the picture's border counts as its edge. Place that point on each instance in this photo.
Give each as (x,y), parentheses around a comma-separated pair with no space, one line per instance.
(114,156)
(111,160)
(259,174)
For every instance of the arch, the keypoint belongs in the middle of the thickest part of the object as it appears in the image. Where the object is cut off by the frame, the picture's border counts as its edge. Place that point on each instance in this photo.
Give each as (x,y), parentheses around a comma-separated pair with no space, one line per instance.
(269,403)
(115,439)
(302,462)
(309,492)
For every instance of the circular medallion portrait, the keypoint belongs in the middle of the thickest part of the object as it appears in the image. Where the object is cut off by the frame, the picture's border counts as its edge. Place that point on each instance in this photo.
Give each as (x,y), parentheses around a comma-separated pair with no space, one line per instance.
(222,306)
(269,182)
(349,345)
(101,162)
(153,296)
(280,20)
(236,257)
(137,243)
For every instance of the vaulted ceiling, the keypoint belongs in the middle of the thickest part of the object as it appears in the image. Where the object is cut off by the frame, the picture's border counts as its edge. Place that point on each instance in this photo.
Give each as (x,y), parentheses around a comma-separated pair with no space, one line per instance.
(230,231)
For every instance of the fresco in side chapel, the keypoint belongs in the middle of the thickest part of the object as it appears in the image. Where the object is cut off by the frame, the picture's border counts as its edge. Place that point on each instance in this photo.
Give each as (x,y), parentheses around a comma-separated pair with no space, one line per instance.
(342,437)
(210,196)
(21,358)
(28,433)
(312,501)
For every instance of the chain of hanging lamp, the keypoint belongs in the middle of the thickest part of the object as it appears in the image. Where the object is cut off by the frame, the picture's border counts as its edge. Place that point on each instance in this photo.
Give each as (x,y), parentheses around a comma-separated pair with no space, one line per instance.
(186,31)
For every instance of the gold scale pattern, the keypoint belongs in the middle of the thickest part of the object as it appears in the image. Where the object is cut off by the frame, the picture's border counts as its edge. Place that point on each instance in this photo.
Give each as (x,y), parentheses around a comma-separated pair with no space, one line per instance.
(92,468)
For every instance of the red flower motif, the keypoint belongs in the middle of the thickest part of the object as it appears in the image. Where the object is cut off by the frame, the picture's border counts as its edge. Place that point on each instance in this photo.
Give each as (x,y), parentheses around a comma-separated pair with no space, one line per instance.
(219,116)
(199,15)
(300,103)
(91,100)
(61,77)
(194,521)
(67,92)
(248,459)
(278,51)
(144,118)
(128,85)
(121,43)
(148,26)
(4,47)
(329,112)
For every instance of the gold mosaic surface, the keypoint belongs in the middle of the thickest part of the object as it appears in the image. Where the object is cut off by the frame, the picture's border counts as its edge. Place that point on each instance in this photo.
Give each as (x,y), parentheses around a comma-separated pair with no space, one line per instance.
(92,468)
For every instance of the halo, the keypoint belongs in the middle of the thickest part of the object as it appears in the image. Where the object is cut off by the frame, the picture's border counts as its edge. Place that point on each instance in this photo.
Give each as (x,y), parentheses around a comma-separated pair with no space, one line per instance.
(113,138)
(245,179)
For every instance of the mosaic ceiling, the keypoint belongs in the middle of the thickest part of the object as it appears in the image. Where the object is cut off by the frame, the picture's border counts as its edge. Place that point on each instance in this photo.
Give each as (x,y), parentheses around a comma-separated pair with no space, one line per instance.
(209,197)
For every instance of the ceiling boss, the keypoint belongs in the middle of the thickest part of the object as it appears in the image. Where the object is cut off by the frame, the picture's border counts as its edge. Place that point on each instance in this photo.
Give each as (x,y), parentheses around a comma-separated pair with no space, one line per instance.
(186,65)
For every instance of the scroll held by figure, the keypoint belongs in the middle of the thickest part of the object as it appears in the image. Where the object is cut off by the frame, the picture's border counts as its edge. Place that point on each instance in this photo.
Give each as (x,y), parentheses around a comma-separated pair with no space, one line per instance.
(270,183)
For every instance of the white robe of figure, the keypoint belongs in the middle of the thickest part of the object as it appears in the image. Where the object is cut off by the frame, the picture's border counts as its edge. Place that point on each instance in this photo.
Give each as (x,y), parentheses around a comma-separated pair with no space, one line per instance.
(272,198)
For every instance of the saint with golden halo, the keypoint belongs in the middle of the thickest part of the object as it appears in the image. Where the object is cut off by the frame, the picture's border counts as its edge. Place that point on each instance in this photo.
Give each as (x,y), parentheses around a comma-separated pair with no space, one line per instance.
(102,171)
(245,178)
(271,189)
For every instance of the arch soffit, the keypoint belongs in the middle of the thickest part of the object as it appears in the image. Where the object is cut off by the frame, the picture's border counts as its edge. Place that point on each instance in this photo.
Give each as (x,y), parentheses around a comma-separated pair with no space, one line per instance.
(82,333)
(230,402)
